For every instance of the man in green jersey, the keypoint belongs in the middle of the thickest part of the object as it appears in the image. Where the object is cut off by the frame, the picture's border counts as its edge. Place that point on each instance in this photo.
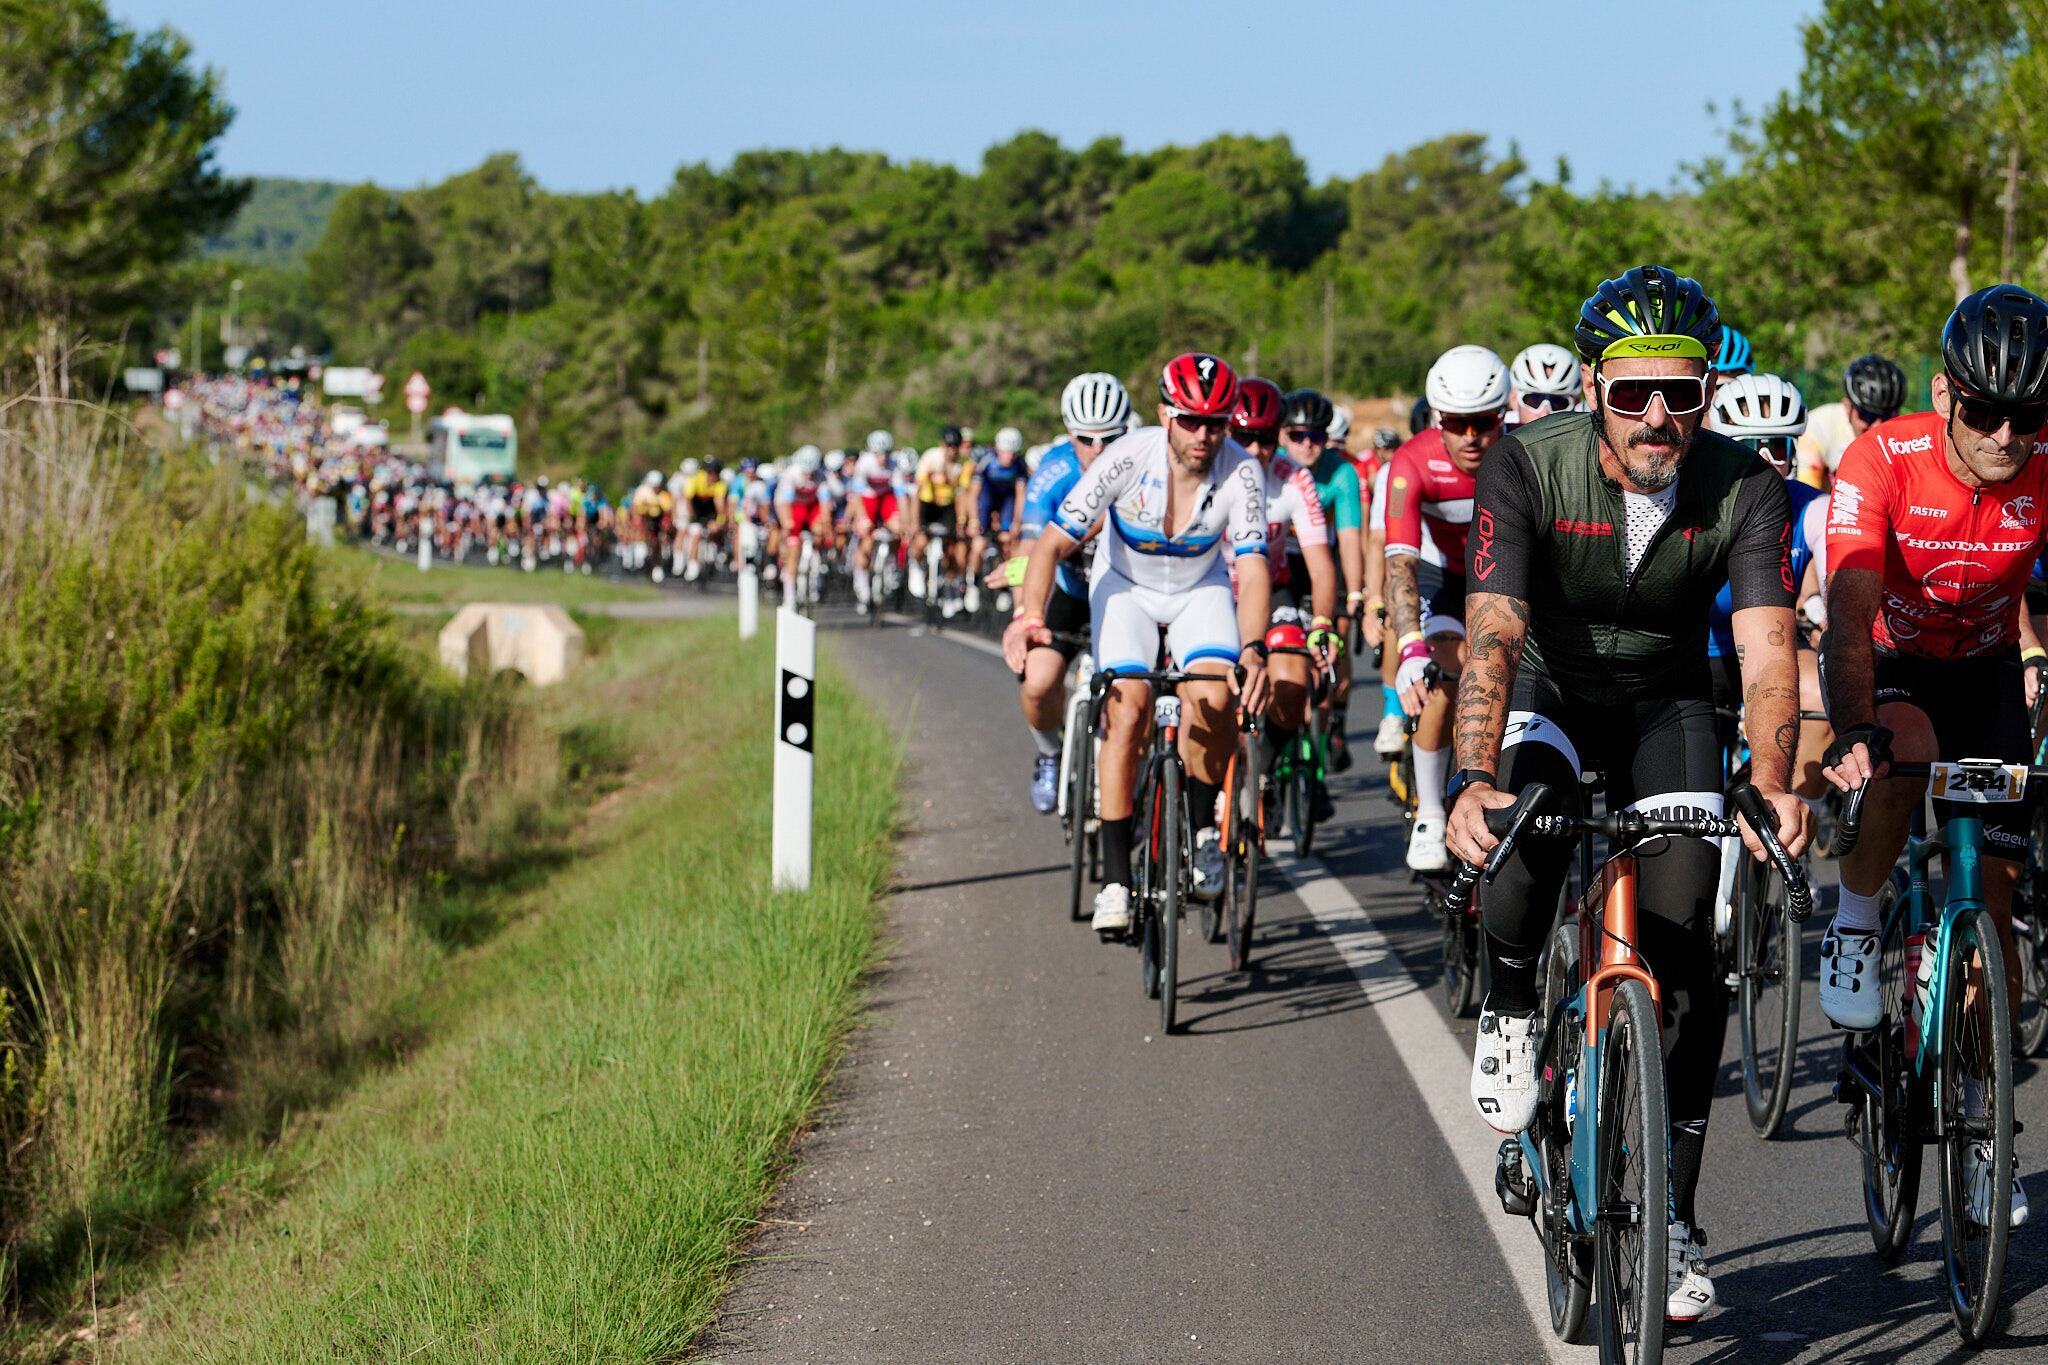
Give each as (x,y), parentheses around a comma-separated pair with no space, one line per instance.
(1305,417)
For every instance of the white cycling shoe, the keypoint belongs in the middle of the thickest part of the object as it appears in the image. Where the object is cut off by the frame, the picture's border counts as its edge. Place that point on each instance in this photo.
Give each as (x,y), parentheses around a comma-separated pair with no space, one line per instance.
(1978,1176)
(1848,978)
(1426,852)
(1504,1084)
(1113,909)
(1691,1291)
(1392,736)
(1208,864)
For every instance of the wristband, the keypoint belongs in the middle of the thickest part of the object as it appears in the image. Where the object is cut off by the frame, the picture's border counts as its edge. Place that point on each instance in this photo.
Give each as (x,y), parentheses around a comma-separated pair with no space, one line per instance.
(1413,637)
(1324,623)
(1030,622)
(1353,598)
(2027,656)
(1414,649)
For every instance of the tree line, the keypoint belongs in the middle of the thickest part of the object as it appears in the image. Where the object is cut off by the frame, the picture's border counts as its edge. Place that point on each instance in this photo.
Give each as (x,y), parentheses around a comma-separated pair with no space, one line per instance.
(811,295)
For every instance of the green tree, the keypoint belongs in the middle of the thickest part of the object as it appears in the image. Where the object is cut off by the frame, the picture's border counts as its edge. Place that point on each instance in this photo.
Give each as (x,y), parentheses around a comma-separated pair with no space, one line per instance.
(367,273)
(106,162)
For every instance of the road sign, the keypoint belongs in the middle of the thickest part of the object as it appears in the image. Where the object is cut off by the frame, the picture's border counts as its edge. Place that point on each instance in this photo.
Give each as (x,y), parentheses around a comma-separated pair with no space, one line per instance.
(417,391)
(143,379)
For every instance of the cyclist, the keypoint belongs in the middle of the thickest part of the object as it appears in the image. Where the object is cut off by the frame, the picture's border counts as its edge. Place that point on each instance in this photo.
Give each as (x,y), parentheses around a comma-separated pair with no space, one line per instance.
(1431,480)
(803,502)
(1736,358)
(1545,379)
(873,496)
(1598,542)
(1305,437)
(999,480)
(1097,411)
(1392,736)
(1291,503)
(1934,525)
(1171,500)
(1873,391)
(938,481)
(705,498)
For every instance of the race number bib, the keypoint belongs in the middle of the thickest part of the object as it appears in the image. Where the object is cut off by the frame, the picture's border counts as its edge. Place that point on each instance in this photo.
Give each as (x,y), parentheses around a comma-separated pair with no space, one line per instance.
(1976,779)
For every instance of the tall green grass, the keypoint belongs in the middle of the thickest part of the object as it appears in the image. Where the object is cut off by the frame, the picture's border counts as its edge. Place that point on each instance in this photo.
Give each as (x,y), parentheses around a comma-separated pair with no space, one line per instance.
(566,1169)
(228,793)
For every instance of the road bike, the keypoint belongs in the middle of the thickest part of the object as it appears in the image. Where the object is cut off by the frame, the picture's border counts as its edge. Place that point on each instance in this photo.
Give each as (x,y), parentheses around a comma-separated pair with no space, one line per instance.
(1161,840)
(1594,1180)
(1946,1030)
(1757,941)
(1244,842)
(1300,766)
(885,576)
(1079,815)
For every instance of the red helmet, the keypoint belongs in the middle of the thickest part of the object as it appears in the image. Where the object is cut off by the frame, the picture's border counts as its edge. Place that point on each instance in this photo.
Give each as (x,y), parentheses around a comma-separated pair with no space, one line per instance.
(1198,385)
(1258,406)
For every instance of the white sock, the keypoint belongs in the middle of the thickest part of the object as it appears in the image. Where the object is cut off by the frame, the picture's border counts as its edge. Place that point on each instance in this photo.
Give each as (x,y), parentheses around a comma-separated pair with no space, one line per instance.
(1855,913)
(1048,742)
(1432,770)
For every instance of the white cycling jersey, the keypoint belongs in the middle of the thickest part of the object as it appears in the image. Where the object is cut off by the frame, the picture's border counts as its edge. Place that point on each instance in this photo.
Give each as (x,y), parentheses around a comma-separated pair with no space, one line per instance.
(1127,486)
(870,476)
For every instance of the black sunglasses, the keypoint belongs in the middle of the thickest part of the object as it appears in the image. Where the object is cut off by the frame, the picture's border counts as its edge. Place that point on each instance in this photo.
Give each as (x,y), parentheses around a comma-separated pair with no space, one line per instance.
(1308,435)
(1258,436)
(1980,415)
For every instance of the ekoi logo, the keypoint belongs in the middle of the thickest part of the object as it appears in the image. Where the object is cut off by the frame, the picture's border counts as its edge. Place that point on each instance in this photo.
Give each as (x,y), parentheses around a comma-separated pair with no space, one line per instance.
(1482,549)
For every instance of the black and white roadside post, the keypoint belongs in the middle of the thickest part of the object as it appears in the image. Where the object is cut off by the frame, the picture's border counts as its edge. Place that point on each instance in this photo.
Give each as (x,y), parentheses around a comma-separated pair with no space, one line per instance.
(750,584)
(796,670)
(426,531)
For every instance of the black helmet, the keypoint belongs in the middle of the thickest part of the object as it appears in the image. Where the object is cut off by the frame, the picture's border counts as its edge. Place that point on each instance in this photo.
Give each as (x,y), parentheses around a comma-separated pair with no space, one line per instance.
(1995,345)
(950,436)
(1649,302)
(1419,417)
(1875,385)
(1306,408)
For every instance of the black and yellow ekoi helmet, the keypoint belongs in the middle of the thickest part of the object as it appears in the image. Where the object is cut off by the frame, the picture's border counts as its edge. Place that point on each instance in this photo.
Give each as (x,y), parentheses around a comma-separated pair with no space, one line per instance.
(1648,311)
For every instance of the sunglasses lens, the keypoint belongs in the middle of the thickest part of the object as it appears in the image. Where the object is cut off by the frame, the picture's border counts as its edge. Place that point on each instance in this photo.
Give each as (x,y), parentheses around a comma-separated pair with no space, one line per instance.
(1306,434)
(1555,402)
(1470,423)
(1258,436)
(1984,416)
(1682,395)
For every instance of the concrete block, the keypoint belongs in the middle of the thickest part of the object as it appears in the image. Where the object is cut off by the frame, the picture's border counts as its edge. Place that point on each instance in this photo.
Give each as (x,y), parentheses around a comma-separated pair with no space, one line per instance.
(539,642)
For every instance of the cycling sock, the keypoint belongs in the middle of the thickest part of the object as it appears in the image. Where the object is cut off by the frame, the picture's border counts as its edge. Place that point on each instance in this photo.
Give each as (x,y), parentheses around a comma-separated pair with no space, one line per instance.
(1432,771)
(1202,804)
(1688,1147)
(1116,852)
(1048,742)
(1856,913)
(1390,700)
(1514,981)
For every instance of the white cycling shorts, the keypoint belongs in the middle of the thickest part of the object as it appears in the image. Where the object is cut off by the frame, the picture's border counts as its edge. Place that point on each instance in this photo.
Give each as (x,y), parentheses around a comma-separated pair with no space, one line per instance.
(1200,621)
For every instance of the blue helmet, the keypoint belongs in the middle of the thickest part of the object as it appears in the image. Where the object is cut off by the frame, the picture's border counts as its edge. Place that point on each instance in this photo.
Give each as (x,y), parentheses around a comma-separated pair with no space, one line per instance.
(1735,357)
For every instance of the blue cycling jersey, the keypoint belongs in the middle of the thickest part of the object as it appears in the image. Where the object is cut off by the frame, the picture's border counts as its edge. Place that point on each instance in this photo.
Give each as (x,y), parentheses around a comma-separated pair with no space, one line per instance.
(1720,620)
(1057,474)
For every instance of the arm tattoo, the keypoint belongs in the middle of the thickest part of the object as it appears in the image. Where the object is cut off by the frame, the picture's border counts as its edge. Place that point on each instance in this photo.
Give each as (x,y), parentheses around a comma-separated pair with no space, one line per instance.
(1404,596)
(1846,645)
(1497,627)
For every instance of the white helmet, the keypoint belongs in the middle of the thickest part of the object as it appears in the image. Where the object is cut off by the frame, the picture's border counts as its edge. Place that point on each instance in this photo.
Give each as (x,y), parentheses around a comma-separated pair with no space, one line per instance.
(835,460)
(690,467)
(904,461)
(1545,368)
(880,442)
(1759,405)
(1467,379)
(770,472)
(1340,423)
(653,479)
(1009,439)
(1095,402)
(809,456)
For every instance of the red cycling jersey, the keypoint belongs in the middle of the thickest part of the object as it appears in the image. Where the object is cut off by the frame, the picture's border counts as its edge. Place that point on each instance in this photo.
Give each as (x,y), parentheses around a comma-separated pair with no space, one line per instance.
(1954,559)
(1424,486)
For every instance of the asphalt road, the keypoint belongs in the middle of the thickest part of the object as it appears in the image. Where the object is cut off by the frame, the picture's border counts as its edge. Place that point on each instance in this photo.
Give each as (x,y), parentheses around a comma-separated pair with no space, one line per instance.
(1013,1165)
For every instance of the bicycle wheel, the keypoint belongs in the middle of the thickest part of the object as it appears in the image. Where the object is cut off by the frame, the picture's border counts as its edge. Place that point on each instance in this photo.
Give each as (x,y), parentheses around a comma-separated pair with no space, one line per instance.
(1458,982)
(1630,1180)
(1976,1046)
(1304,799)
(1080,818)
(1890,1141)
(1172,878)
(1241,892)
(1768,967)
(1215,913)
(2033,1015)
(1567,1256)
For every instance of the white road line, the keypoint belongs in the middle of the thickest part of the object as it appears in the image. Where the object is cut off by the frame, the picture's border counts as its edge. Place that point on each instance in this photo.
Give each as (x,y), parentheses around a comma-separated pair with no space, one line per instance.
(1439,1066)
(971,641)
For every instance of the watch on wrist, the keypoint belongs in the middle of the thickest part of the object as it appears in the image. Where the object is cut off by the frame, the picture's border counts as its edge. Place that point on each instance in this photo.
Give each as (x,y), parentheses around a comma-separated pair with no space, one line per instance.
(1464,778)
(1259,646)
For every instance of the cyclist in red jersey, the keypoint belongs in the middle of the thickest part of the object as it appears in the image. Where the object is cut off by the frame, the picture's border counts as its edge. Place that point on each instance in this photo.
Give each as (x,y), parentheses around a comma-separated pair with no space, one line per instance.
(1430,482)
(1934,526)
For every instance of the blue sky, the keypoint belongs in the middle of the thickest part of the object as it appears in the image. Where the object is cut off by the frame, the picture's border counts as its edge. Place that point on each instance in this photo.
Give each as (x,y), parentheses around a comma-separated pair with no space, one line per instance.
(596,94)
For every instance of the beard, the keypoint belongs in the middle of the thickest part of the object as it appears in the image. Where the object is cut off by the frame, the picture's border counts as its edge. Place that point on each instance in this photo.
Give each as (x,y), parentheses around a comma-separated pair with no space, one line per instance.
(1652,471)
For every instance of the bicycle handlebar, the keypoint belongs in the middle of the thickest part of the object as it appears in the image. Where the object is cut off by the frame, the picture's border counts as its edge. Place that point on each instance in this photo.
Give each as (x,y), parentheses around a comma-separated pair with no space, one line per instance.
(1850,827)
(1511,823)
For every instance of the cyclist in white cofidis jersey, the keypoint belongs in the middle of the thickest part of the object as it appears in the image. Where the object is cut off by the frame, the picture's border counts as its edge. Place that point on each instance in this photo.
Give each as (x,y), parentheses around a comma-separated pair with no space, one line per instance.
(1174,500)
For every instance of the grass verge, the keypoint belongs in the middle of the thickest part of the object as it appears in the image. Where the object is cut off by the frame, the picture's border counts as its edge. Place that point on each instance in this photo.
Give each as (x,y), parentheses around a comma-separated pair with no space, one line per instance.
(400,580)
(567,1165)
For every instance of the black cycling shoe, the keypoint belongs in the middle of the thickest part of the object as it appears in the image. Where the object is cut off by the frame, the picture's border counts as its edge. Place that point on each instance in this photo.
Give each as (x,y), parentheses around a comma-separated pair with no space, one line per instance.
(1340,754)
(1324,808)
